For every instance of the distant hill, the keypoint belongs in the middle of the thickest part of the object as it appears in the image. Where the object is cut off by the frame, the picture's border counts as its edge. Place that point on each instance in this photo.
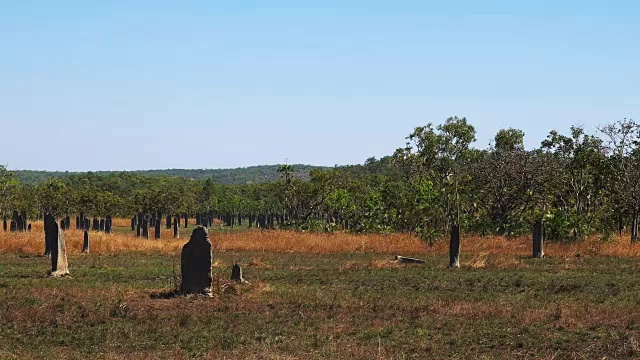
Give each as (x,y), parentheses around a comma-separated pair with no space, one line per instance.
(246,175)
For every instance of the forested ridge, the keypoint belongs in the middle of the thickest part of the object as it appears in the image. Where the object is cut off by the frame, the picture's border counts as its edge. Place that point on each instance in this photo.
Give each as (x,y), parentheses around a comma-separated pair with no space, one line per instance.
(578,184)
(243,175)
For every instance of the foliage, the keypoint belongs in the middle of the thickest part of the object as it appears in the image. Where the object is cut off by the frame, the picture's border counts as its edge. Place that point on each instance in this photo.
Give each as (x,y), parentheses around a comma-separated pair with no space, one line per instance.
(8,184)
(578,183)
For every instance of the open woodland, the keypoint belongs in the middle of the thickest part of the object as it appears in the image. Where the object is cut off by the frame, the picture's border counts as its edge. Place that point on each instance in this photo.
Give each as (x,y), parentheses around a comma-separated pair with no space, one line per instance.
(318,254)
(577,184)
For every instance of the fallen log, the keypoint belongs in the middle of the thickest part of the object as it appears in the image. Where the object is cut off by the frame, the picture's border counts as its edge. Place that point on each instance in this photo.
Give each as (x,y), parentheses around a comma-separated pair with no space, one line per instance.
(408,260)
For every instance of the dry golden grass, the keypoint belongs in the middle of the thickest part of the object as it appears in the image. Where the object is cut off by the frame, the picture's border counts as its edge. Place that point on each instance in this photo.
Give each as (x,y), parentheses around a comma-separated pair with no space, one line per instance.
(119,222)
(314,243)
(489,246)
(32,243)
(492,251)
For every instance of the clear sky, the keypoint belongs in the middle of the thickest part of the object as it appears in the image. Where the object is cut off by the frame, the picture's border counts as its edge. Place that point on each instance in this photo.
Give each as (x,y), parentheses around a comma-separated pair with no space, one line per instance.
(123,85)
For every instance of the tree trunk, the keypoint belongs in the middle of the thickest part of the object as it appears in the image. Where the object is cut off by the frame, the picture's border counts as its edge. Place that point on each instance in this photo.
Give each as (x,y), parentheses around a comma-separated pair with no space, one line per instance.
(620,225)
(176,228)
(634,227)
(145,228)
(139,222)
(48,233)
(156,232)
(85,243)
(108,224)
(538,251)
(454,247)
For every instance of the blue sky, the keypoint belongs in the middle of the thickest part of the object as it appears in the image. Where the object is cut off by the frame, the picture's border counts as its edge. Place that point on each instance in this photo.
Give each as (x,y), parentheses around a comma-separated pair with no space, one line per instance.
(123,85)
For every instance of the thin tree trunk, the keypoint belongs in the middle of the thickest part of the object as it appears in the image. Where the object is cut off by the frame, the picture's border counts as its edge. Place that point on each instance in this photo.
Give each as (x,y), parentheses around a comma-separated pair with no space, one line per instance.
(454,247)
(538,251)
(634,227)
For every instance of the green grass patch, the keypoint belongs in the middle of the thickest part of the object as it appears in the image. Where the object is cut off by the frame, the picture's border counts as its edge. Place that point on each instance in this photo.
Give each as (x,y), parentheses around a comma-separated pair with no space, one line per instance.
(322,306)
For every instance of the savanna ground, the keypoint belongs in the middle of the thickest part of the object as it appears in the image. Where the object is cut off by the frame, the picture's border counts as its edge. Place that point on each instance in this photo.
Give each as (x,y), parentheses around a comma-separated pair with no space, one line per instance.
(320,296)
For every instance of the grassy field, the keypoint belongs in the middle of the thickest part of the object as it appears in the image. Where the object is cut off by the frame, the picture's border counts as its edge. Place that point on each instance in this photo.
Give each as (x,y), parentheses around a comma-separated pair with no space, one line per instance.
(321,296)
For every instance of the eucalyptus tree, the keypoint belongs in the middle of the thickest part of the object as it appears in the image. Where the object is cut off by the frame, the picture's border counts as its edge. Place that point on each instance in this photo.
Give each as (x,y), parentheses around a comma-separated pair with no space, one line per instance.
(8,189)
(340,204)
(582,158)
(175,196)
(205,195)
(287,186)
(623,173)
(286,172)
(54,197)
(511,186)
(24,198)
(501,184)
(432,162)
(509,140)
(372,213)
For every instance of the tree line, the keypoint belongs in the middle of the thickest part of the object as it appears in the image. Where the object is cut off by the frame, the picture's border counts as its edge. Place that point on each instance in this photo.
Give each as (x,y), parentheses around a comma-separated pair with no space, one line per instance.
(250,174)
(577,184)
